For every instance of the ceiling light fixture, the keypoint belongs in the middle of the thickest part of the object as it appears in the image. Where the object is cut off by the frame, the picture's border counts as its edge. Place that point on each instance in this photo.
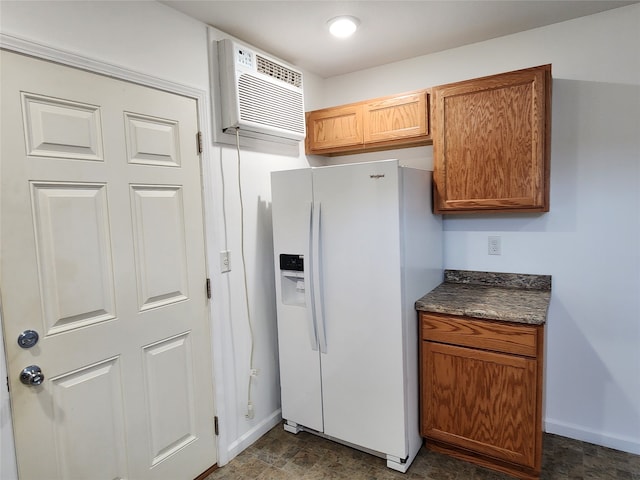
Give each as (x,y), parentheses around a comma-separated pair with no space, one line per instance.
(343,26)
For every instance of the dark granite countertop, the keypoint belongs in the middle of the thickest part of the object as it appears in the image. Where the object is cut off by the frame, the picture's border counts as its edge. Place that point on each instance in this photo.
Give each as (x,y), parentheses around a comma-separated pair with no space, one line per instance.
(512,297)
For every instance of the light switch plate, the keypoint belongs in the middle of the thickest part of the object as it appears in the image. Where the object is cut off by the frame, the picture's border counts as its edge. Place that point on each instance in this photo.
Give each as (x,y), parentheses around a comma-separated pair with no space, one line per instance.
(225,261)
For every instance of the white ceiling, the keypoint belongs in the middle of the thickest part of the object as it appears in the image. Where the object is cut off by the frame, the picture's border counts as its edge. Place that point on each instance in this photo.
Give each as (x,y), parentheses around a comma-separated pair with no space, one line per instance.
(296,31)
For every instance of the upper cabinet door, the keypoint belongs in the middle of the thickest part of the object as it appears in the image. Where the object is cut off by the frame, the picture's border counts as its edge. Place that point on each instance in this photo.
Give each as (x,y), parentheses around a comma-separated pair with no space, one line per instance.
(396,121)
(491,140)
(395,118)
(334,129)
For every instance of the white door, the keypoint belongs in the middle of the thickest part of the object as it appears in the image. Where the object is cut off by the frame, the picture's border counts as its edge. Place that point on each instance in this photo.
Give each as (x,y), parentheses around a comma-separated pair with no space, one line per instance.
(362,369)
(103,256)
(299,355)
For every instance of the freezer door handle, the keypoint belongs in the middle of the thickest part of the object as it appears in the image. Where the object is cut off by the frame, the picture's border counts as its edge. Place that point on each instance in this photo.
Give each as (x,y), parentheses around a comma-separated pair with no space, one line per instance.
(308,290)
(317,275)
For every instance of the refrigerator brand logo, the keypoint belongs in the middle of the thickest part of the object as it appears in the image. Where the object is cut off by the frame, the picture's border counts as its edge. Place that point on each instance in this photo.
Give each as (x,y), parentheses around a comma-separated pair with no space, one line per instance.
(380,175)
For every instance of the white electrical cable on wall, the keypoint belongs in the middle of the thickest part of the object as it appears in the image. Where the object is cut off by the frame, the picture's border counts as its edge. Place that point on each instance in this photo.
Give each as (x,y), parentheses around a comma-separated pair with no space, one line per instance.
(224,204)
(252,370)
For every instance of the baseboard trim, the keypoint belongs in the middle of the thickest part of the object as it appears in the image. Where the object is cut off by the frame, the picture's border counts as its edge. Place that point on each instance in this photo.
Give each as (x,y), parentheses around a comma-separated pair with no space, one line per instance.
(578,432)
(238,446)
(207,472)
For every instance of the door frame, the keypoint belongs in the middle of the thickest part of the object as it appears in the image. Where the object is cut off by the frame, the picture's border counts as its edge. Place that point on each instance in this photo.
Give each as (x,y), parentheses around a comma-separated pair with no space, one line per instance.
(202,98)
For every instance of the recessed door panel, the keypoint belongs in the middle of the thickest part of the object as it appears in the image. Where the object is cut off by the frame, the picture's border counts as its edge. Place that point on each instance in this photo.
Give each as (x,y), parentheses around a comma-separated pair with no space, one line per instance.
(90,441)
(62,128)
(169,392)
(161,264)
(74,254)
(152,141)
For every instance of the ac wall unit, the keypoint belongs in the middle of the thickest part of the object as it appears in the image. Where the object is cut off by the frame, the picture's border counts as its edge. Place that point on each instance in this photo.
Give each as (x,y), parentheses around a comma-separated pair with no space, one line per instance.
(259,95)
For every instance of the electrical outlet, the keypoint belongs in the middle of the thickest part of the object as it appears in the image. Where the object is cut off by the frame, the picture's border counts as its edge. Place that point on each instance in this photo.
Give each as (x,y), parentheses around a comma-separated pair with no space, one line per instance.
(495,247)
(225,261)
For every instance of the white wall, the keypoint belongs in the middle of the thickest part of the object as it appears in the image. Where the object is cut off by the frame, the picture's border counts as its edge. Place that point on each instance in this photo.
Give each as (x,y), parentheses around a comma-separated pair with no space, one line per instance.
(142,36)
(590,240)
(257,160)
(239,432)
(153,39)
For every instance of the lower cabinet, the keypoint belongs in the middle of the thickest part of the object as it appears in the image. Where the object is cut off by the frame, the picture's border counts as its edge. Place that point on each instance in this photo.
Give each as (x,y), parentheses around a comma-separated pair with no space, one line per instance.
(481,391)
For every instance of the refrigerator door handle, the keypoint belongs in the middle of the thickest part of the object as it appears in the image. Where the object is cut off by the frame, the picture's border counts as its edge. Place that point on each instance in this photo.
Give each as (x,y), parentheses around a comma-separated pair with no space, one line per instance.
(308,288)
(316,255)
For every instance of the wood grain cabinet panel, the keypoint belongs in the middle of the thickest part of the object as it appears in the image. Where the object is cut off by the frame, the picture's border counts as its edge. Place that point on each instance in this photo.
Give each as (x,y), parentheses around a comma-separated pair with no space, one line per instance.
(480,401)
(334,128)
(491,140)
(396,118)
(493,414)
(388,122)
(498,336)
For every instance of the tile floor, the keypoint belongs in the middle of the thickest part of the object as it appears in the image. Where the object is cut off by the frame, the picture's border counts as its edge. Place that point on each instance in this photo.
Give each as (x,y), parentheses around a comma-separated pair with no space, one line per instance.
(283,456)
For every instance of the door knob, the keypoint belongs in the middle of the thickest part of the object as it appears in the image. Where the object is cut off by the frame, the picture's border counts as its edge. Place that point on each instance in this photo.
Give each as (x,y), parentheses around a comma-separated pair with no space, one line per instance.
(32,376)
(28,338)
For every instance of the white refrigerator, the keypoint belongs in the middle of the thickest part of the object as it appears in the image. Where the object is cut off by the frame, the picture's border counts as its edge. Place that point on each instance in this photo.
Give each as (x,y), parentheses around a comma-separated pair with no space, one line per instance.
(355,246)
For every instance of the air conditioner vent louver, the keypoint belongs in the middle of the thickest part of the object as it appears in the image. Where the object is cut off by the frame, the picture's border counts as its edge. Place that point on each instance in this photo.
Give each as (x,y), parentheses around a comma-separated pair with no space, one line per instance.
(267,104)
(277,71)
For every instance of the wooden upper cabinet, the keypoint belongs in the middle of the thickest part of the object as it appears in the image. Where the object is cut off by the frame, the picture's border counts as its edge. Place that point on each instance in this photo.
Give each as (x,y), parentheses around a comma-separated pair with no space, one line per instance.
(491,142)
(334,128)
(396,118)
(382,123)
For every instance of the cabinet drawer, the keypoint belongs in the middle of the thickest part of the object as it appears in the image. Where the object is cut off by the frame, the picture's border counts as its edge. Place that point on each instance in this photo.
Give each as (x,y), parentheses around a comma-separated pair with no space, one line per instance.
(485,334)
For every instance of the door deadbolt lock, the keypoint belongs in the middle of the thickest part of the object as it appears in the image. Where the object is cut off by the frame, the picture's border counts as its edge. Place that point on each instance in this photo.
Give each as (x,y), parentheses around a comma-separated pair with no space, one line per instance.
(32,376)
(28,338)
